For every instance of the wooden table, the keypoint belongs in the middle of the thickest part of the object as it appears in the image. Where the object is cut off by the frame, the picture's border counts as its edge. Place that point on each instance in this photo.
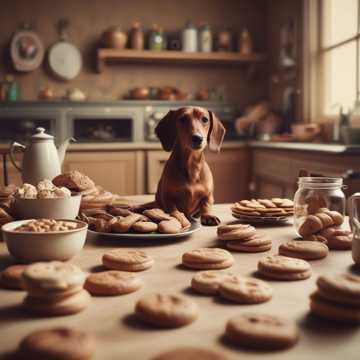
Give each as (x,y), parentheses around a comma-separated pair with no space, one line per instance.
(121,336)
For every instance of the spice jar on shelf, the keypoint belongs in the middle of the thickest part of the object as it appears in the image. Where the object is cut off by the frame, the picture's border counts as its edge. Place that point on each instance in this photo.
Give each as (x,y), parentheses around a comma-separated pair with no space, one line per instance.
(245,43)
(157,39)
(205,39)
(189,38)
(315,193)
(137,37)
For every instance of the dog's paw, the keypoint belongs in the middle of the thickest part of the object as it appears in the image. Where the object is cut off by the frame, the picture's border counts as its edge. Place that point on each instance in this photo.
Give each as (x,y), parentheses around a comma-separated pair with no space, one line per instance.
(209,220)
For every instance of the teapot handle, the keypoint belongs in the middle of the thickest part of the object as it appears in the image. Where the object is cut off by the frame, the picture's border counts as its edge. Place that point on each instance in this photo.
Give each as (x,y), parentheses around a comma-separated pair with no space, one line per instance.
(353,210)
(16,146)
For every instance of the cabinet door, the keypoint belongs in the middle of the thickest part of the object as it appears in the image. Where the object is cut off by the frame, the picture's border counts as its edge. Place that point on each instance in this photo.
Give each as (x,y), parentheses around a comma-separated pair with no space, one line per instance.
(14,176)
(119,172)
(230,169)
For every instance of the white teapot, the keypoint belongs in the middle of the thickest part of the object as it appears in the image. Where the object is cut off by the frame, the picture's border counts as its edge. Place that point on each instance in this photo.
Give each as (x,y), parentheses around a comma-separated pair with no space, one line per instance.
(42,160)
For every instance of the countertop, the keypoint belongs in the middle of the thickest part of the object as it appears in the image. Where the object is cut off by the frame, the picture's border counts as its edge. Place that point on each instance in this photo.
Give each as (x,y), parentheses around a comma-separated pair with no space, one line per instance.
(121,336)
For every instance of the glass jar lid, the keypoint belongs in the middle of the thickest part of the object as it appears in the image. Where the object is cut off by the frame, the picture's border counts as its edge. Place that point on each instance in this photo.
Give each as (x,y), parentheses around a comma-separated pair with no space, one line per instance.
(320,182)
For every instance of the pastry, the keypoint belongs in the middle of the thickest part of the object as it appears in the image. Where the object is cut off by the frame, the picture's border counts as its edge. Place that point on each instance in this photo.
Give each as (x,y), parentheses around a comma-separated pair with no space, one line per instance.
(127,260)
(208,282)
(243,290)
(340,288)
(190,353)
(307,250)
(235,232)
(156,215)
(145,227)
(261,331)
(74,180)
(112,282)
(256,243)
(165,310)
(123,224)
(280,267)
(59,306)
(183,220)
(52,278)
(172,226)
(11,277)
(207,259)
(57,343)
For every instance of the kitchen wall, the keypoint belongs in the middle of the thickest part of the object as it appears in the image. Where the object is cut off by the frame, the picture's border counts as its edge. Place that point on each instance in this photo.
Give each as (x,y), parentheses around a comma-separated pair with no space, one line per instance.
(89,18)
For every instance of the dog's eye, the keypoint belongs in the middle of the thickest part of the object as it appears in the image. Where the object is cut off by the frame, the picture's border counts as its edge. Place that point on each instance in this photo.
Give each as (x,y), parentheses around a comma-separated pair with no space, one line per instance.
(204,120)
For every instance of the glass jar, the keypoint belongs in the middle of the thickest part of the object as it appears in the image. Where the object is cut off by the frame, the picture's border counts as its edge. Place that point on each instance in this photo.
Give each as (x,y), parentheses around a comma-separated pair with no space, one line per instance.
(315,193)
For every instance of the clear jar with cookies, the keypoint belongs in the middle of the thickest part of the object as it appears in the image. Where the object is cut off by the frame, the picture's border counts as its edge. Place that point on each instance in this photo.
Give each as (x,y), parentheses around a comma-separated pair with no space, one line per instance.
(317,195)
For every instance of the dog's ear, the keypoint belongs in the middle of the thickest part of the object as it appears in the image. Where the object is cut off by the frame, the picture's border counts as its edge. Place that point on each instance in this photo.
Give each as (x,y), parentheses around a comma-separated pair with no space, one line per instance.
(166,130)
(216,133)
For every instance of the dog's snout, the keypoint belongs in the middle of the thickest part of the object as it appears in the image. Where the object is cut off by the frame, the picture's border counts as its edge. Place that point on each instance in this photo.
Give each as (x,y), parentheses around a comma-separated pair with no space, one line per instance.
(197,140)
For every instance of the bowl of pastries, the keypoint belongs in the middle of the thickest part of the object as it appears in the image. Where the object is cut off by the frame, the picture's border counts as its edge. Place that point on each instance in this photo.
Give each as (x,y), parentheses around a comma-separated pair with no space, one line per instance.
(45,200)
(44,239)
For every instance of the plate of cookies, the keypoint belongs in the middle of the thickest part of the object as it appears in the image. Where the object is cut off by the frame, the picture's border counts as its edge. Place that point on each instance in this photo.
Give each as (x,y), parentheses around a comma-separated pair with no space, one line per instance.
(263,211)
(122,222)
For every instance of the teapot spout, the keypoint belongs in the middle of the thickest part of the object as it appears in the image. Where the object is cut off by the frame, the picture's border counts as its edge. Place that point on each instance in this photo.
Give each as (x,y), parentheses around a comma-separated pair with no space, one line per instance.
(62,149)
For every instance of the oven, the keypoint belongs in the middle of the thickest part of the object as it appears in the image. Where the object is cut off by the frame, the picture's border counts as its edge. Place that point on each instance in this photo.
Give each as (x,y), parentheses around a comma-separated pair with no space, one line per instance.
(226,113)
(105,124)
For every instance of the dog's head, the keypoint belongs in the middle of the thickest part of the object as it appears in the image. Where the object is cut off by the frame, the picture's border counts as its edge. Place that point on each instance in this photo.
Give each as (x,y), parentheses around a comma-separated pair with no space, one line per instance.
(192,128)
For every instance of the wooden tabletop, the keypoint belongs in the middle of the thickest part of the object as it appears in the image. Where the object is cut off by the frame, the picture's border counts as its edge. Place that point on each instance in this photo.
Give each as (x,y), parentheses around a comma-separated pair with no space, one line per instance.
(121,336)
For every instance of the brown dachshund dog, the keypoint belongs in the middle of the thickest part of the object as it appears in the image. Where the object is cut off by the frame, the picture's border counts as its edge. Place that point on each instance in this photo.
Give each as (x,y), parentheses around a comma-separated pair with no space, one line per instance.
(186,184)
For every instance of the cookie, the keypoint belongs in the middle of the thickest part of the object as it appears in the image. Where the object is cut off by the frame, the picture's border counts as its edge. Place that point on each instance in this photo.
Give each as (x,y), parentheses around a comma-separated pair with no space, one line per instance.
(57,343)
(207,259)
(280,267)
(144,227)
(74,180)
(172,226)
(243,247)
(235,232)
(334,311)
(336,217)
(123,224)
(243,290)
(165,310)
(190,353)
(261,331)
(307,250)
(183,220)
(157,215)
(208,282)
(342,288)
(11,277)
(68,305)
(325,219)
(311,225)
(52,278)
(118,210)
(340,242)
(112,282)
(127,260)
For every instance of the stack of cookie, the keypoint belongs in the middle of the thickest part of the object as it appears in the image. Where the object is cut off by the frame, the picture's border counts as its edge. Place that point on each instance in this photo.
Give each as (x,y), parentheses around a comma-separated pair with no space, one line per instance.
(278,267)
(324,226)
(244,238)
(337,298)
(54,288)
(93,196)
(238,289)
(275,207)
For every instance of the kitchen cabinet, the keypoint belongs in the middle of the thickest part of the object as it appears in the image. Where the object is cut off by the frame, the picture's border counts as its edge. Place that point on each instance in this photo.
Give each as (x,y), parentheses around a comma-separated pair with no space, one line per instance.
(275,172)
(230,168)
(120,172)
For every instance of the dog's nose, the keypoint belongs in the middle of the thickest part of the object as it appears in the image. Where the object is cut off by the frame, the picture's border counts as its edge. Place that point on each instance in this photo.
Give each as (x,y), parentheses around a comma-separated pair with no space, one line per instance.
(197,140)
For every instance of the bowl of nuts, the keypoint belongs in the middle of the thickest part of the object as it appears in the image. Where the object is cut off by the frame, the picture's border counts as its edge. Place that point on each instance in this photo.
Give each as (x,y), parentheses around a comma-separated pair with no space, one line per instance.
(45,201)
(44,239)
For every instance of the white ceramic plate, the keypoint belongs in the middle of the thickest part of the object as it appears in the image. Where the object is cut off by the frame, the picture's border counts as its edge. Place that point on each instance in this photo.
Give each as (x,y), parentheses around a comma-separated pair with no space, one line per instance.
(195,226)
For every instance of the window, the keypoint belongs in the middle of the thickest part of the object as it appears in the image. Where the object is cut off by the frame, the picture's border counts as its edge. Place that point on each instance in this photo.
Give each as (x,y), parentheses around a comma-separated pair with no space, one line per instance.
(339,50)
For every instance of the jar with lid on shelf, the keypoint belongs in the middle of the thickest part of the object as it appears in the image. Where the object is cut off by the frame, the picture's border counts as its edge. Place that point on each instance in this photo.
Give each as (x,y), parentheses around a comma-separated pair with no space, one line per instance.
(315,193)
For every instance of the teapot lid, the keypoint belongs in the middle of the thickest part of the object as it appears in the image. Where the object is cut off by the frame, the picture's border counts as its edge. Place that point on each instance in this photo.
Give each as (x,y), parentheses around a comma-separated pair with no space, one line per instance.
(41,135)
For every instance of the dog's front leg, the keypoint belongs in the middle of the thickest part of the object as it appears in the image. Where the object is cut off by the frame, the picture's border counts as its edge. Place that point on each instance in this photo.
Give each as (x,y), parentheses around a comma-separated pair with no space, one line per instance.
(205,212)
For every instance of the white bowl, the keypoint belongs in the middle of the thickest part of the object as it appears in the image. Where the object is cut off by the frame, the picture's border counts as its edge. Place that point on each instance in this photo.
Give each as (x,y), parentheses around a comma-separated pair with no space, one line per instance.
(56,208)
(47,246)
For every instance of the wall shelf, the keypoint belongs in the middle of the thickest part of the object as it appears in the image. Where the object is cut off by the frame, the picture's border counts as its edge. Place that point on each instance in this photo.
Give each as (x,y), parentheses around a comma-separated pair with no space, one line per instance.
(105,56)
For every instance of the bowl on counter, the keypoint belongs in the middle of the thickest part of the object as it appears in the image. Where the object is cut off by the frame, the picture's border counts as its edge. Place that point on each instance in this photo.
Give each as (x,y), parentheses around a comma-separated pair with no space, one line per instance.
(53,208)
(28,246)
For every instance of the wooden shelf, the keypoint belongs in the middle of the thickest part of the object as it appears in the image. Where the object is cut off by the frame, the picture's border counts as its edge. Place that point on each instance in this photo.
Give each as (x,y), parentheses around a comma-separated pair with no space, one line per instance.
(105,56)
